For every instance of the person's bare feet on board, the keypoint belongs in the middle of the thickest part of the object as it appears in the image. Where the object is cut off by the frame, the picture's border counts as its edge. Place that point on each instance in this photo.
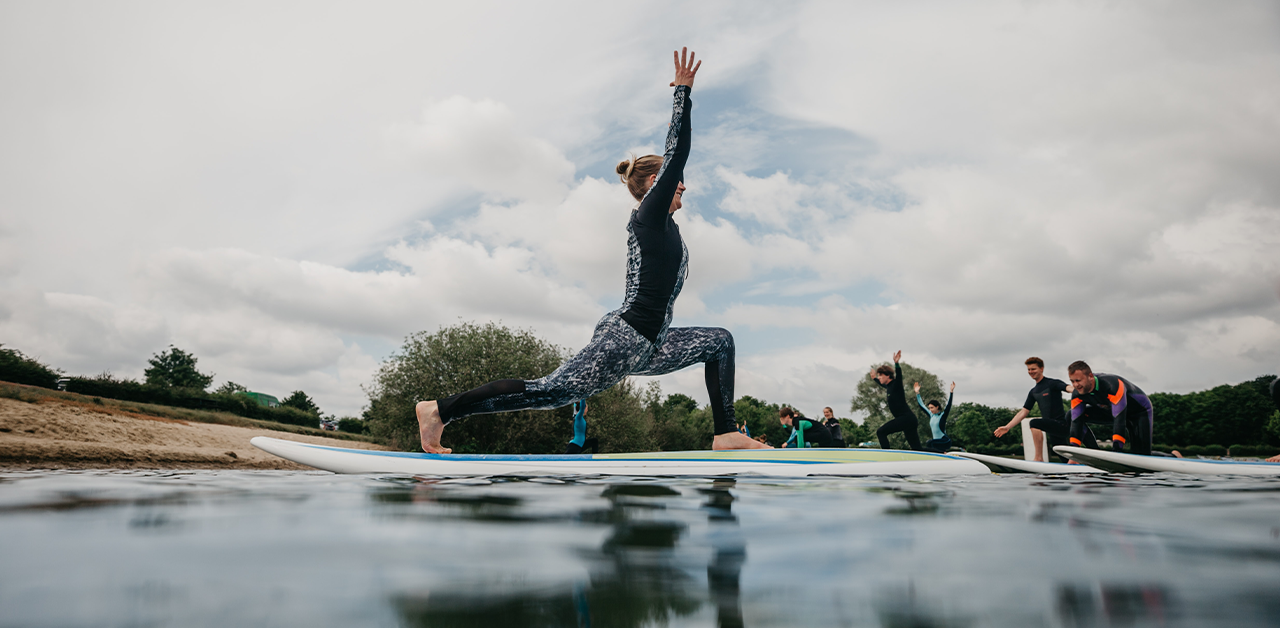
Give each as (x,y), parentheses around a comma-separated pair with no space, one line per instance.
(736,440)
(430,427)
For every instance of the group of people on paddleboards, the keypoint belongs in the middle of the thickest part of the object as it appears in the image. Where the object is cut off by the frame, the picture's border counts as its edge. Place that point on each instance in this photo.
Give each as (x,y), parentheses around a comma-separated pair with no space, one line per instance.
(637,339)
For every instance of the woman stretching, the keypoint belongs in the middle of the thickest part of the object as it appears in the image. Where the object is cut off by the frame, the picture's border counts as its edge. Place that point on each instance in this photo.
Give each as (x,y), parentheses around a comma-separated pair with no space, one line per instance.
(636,338)
(941,442)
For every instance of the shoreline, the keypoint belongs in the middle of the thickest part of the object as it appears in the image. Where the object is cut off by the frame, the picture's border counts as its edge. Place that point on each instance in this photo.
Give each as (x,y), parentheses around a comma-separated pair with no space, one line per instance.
(48,430)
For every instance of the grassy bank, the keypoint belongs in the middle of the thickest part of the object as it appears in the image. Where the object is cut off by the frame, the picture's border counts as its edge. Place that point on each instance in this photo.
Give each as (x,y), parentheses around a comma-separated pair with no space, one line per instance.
(35,394)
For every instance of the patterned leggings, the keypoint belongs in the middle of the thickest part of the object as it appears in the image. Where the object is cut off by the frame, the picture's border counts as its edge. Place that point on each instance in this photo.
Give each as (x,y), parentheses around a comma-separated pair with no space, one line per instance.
(616,350)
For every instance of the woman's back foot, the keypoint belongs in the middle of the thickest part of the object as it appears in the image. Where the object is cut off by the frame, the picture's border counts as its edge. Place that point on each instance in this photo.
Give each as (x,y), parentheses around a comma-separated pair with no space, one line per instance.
(430,427)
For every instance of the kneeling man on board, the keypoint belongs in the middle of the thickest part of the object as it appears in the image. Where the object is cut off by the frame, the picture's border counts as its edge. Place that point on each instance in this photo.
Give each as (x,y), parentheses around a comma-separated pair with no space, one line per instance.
(804,432)
(1053,421)
(1131,414)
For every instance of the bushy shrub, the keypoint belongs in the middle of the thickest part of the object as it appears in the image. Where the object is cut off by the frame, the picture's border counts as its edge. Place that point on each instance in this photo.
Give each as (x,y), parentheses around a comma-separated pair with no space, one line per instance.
(20,369)
(352,426)
(456,359)
(130,390)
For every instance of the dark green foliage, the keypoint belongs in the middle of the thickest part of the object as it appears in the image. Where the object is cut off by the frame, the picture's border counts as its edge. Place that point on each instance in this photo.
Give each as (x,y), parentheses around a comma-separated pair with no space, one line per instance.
(20,369)
(456,359)
(855,433)
(352,426)
(300,400)
(762,418)
(1253,451)
(872,399)
(975,426)
(176,368)
(678,423)
(230,388)
(130,390)
(1225,414)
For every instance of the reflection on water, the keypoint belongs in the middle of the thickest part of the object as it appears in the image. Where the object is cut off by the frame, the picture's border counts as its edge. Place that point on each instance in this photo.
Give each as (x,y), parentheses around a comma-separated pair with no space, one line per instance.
(314,549)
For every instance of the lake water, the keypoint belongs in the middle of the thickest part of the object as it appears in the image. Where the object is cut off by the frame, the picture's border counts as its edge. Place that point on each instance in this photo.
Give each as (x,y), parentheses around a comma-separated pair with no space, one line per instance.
(216,548)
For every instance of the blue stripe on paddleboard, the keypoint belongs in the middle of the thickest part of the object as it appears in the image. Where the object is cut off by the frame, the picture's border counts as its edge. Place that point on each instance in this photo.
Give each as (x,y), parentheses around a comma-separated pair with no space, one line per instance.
(592,458)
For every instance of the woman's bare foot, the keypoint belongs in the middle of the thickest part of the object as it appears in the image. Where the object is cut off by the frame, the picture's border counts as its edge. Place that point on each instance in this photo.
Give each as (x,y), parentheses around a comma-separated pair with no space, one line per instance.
(430,427)
(736,440)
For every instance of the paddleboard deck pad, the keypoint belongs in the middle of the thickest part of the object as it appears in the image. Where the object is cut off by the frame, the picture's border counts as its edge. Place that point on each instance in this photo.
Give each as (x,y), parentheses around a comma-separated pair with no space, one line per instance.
(1133,463)
(769,462)
(1007,465)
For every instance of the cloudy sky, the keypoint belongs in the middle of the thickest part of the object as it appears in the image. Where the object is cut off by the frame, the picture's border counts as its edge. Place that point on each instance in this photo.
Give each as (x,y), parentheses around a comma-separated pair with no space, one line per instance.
(288,189)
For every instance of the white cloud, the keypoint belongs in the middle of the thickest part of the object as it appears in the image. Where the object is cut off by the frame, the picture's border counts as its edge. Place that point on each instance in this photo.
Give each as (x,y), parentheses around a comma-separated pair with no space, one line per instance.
(1067,180)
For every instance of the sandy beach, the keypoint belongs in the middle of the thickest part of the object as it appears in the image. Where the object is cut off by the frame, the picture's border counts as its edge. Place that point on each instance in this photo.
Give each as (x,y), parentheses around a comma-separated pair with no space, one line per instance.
(69,434)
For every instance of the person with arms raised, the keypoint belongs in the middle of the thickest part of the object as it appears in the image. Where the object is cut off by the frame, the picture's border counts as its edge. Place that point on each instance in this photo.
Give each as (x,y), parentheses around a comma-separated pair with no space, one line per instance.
(904,420)
(635,339)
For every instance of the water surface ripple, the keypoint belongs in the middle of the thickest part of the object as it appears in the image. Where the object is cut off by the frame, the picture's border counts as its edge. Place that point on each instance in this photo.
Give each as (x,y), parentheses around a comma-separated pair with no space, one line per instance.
(263,548)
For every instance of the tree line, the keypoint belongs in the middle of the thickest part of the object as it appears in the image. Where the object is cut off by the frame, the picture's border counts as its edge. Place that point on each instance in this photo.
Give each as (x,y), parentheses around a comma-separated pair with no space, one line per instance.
(628,417)
(172,379)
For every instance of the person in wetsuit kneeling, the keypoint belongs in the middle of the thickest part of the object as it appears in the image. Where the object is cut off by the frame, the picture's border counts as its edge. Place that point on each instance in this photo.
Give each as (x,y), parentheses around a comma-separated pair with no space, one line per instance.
(1099,398)
(804,432)
(580,442)
(937,420)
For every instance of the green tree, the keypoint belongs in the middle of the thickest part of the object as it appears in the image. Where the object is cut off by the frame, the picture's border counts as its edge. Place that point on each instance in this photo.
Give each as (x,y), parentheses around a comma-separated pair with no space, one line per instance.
(855,433)
(460,357)
(352,425)
(300,400)
(971,428)
(230,388)
(176,368)
(20,369)
(982,430)
(872,400)
(677,422)
(762,418)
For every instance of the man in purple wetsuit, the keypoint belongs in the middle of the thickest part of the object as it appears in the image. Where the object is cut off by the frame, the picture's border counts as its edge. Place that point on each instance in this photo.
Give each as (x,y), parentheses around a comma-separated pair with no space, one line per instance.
(1099,397)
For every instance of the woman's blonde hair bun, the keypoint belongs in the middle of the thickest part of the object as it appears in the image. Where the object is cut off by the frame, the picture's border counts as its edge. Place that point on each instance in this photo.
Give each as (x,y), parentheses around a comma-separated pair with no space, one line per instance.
(635,172)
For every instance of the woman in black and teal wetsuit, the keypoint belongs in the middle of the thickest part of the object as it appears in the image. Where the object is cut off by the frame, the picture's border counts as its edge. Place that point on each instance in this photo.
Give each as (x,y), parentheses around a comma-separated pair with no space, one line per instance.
(635,339)
(940,442)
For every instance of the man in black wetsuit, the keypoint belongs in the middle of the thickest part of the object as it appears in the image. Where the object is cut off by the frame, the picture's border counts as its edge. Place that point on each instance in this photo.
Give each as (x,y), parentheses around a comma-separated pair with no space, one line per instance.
(904,420)
(1118,402)
(806,432)
(1053,421)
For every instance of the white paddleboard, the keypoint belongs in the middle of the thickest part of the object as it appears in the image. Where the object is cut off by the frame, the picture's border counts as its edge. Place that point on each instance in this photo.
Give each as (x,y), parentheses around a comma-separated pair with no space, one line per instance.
(1132,463)
(774,462)
(1013,465)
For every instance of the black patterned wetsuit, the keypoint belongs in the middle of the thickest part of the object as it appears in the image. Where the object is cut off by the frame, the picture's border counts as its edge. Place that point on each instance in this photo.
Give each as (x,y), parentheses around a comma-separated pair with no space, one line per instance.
(904,420)
(1131,413)
(1053,420)
(634,339)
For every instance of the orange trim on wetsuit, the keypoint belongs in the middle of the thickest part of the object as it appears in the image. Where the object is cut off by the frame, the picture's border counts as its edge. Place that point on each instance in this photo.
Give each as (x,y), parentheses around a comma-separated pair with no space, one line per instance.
(1119,438)
(1075,441)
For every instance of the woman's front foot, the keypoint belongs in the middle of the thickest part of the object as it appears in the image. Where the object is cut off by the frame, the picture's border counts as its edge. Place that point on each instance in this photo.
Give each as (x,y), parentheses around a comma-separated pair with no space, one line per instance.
(736,440)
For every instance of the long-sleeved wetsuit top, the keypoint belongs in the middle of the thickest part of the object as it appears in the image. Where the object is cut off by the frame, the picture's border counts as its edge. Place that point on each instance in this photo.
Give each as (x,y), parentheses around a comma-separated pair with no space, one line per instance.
(808,433)
(1048,394)
(937,422)
(897,397)
(657,261)
(1115,393)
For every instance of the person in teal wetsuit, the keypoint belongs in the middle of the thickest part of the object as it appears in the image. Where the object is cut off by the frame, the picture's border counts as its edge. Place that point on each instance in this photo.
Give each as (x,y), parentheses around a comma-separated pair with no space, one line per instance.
(804,432)
(937,420)
(580,442)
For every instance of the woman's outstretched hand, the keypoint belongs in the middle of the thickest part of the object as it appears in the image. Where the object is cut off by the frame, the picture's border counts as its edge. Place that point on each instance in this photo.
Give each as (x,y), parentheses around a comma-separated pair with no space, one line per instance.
(953,386)
(685,69)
